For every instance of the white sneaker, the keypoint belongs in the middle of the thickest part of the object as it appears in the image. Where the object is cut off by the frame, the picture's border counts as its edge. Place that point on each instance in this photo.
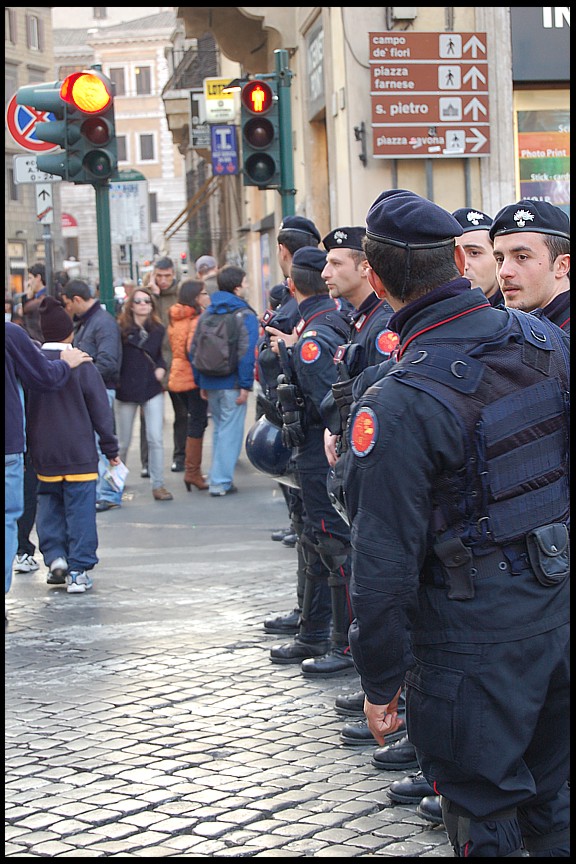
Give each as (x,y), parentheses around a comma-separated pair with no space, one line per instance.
(57,572)
(77,582)
(25,564)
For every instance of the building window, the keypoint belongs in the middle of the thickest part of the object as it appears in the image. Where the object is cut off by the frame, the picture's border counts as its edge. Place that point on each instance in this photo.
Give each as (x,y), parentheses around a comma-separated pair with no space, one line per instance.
(64,71)
(143,80)
(147,148)
(10,82)
(14,190)
(118,78)
(153,207)
(99,13)
(34,35)
(122,148)
(10,25)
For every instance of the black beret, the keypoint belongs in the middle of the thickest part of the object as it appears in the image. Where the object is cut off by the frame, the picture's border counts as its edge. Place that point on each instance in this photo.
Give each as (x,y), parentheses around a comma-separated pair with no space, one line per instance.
(526,215)
(55,322)
(300,225)
(345,238)
(472,220)
(403,218)
(309,258)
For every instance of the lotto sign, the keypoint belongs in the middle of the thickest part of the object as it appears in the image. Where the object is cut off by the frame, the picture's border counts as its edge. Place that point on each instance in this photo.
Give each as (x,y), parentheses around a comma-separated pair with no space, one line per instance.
(21,122)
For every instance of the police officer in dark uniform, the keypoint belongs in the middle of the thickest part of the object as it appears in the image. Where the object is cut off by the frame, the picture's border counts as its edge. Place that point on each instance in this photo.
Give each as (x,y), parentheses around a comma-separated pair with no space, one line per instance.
(295,232)
(309,373)
(460,588)
(538,275)
(479,266)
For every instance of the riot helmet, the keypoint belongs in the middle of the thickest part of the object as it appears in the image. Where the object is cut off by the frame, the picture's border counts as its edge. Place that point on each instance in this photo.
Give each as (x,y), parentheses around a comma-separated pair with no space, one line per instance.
(267,453)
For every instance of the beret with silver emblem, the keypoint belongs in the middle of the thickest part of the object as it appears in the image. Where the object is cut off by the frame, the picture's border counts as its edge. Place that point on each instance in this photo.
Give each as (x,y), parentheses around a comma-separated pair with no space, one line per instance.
(309,258)
(403,218)
(345,238)
(301,225)
(472,220)
(539,217)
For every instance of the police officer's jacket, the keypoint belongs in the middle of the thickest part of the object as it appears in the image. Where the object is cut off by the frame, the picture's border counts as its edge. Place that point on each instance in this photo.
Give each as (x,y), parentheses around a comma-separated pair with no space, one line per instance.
(322,328)
(558,311)
(456,485)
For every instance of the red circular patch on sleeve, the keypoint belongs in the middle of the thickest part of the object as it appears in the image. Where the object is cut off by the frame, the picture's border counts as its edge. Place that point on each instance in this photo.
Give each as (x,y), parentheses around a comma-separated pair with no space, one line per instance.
(364,432)
(310,351)
(386,341)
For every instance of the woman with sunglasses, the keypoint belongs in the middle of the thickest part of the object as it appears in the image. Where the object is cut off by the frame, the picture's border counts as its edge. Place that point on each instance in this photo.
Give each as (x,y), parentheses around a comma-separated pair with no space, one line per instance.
(141,375)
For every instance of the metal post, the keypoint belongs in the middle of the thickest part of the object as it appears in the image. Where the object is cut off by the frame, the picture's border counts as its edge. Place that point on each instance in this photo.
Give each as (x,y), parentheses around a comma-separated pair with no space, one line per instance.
(283,76)
(104,246)
(48,269)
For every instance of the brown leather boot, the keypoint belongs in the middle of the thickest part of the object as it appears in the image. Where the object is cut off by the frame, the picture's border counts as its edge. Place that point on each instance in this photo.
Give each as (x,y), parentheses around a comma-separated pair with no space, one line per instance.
(192,461)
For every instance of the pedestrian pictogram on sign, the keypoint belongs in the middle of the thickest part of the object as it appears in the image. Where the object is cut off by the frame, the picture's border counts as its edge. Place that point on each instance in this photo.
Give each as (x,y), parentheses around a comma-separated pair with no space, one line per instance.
(429,94)
(21,122)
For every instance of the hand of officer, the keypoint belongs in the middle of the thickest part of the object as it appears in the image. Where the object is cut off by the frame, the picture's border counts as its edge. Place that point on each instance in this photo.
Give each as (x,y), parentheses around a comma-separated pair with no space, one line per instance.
(292,431)
(330,442)
(383,719)
(274,334)
(75,356)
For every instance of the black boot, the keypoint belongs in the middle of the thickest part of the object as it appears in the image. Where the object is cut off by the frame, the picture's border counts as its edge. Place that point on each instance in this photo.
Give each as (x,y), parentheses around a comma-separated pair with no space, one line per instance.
(285,625)
(359,735)
(350,705)
(338,661)
(297,650)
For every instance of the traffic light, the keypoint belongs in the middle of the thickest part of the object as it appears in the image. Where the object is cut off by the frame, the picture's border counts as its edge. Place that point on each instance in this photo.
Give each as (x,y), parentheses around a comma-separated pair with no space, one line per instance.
(184,262)
(83,104)
(260,134)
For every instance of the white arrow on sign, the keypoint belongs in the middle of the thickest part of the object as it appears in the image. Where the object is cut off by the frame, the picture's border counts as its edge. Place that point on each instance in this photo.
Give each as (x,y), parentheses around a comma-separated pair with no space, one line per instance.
(477,141)
(44,205)
(474,74)
(476,107)
(475,45)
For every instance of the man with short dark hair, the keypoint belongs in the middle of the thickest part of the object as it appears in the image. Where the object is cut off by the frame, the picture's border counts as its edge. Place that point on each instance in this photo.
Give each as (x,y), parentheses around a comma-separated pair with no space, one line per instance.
(96,331)
(165,289)
(479,266)
(36,289)
(227,395)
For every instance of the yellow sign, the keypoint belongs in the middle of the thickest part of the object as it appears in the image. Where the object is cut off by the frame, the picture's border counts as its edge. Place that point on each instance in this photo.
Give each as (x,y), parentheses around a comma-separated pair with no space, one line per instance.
(220,106)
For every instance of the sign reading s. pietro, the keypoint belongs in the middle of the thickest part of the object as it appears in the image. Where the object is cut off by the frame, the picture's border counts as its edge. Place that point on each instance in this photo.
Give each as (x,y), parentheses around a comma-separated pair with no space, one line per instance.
(429,94)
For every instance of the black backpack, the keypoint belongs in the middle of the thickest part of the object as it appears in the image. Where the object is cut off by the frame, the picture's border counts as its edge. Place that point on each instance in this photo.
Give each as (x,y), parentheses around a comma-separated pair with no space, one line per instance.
(219,340)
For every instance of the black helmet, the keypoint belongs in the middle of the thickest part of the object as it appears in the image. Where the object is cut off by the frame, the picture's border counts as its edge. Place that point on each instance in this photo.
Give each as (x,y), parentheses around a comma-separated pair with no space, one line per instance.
(268,454)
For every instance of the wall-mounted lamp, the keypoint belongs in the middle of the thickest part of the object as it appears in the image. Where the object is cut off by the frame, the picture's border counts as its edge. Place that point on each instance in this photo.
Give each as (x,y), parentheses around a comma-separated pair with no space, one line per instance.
(235,85)
(360,135)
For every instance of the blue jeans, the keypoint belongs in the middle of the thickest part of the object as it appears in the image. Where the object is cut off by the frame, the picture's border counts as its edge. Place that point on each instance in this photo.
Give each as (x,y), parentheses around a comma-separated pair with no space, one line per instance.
(228,420)
(104,490)
(154,414)
(66,523)
(13,509)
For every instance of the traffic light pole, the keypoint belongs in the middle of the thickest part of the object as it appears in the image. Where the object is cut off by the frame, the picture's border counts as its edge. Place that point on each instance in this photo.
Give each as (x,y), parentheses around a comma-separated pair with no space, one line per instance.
(284,76)
(104,245)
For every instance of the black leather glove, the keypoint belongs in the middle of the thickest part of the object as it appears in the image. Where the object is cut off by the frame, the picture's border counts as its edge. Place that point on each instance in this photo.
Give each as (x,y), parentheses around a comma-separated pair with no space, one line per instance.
(292,430)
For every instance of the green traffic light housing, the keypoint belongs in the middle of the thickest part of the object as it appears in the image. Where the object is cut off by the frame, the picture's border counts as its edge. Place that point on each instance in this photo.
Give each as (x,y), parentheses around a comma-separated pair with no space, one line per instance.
(260,134)
(83,104)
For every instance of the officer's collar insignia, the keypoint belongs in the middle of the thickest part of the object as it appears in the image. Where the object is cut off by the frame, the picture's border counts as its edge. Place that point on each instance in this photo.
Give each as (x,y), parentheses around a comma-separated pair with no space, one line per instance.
(359,323)
(521,217)
(267,316)
(310,351)
(364,432)
(300,326)
(474,217)
(387,341)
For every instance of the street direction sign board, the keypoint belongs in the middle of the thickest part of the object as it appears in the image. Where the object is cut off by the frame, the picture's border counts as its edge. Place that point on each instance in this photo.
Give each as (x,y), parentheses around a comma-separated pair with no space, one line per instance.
(26,171)
(429,94)
(21,123)
(44,203)
(224,150)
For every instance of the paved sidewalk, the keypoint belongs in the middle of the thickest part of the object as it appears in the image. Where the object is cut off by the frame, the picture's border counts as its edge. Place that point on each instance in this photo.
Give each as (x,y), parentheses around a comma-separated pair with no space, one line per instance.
(145,719)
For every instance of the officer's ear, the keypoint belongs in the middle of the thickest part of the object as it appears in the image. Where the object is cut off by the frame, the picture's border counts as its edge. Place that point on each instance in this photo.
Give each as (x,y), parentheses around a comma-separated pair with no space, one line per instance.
(376,283)
(460,258)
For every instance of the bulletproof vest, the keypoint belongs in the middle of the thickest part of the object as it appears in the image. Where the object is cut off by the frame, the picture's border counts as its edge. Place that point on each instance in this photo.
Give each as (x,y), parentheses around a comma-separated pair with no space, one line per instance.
(510,396)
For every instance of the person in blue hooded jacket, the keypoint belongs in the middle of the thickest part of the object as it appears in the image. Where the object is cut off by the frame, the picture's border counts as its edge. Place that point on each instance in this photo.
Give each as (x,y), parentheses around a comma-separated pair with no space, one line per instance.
(227,395)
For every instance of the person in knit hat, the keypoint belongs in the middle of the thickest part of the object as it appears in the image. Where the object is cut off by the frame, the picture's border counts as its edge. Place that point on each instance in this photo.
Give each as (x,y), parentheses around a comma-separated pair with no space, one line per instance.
(61,427)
